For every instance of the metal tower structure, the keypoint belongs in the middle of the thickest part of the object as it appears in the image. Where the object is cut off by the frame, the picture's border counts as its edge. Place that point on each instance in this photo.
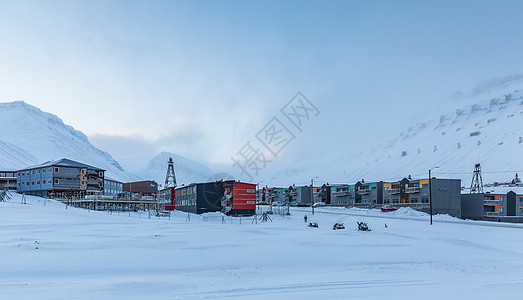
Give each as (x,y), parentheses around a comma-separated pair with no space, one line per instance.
(477,181)
(170,178)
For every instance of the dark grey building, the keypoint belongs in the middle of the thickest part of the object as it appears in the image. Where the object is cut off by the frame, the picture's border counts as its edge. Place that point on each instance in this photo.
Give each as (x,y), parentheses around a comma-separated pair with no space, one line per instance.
(304,194)
(472,206)
(493,206)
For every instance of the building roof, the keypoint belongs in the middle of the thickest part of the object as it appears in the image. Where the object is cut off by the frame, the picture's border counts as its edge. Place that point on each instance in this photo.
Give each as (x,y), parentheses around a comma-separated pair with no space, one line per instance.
(64,162)
(113,180)
(503,190)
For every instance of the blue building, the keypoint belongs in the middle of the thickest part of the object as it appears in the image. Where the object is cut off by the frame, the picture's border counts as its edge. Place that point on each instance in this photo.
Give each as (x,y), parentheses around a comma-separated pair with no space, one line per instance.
(112,188)
(61,178)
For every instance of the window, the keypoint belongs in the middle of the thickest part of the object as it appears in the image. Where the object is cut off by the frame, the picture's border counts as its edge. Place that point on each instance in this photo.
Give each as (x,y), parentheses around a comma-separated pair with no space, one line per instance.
(33,172)
(56,170)
(500,198)
(82,171)
(56,181)
(49,170)
(101,174)
(38,171)
(32,183)
(250,191)
(414,200)
(43,170)
(38,182)
(18,184)
(44,181)
(500,209)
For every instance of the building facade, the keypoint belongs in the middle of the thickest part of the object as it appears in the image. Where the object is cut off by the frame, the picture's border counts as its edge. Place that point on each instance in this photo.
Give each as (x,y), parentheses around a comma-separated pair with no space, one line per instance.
(493,206)
(8,180)
(230,197)
(61,178)
(414,193)
(112,188)
(145,187)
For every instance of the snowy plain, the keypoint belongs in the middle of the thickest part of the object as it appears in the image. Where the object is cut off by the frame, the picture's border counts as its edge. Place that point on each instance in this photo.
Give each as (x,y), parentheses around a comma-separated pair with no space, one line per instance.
(50,252)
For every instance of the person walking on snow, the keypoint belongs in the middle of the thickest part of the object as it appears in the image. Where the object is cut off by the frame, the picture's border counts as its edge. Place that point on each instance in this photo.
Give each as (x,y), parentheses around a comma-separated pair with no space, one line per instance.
(305,218)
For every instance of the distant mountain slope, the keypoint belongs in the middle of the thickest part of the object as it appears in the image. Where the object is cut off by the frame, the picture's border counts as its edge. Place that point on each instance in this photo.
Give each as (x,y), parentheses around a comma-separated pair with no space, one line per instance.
(186,170)
(30,136)
(486,127)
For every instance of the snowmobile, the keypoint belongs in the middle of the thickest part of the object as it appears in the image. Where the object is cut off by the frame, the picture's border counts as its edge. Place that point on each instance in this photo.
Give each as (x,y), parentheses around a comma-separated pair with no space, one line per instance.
(313,225)
(338,226)
(362,226)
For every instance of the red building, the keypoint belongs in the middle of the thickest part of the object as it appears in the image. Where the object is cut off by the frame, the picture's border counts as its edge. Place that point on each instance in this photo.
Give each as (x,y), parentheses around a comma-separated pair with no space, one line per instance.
(239,198)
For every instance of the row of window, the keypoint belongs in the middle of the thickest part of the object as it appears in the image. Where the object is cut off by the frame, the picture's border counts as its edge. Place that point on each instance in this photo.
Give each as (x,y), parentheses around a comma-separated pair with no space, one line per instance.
(56,170)
(186,191)
(115,184)
(411,200)
(56,181)
(109,191)
(188,202)
(7,174)
(38,171)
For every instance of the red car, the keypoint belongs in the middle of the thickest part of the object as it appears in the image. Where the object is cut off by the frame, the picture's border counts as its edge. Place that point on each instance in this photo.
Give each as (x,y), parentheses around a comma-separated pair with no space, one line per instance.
(388,208)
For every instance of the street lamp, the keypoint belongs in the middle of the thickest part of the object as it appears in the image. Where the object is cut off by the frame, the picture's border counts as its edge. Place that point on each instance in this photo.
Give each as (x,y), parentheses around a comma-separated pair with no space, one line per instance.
(258,196)
(430,192)
(312,193)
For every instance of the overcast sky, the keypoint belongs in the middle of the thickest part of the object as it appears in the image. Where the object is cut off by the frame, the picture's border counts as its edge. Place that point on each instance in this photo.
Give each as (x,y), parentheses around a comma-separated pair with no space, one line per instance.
(201,78)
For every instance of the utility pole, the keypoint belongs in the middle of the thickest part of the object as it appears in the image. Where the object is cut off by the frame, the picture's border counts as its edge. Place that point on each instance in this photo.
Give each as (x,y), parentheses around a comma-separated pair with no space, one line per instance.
(430,193)
(312,194)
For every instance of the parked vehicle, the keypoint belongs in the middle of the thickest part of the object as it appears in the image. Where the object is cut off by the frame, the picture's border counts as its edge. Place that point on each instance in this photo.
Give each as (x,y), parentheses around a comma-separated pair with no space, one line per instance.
(387,208)
(362,226)
(338,226)
(315,225)
(319,204)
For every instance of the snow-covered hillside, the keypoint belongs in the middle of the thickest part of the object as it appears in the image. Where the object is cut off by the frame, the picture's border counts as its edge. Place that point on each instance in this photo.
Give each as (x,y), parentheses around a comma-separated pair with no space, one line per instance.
(485,126)
(186,170)
(30,136)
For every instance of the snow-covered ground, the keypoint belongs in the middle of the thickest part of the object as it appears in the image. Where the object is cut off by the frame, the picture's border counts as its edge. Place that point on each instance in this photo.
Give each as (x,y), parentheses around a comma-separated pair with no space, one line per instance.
(50,252)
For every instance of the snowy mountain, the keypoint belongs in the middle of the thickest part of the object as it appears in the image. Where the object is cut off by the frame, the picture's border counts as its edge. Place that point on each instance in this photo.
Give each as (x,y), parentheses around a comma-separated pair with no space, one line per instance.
(485,126)
(186,170)
(30,136)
